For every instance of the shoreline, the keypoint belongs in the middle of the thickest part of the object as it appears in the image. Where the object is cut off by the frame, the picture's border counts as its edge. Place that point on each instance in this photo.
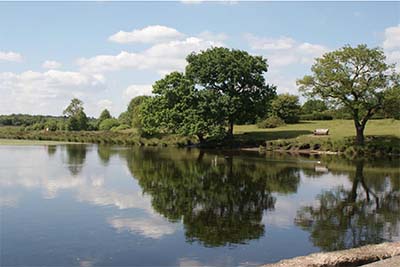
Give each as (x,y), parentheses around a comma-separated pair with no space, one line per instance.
(348,257)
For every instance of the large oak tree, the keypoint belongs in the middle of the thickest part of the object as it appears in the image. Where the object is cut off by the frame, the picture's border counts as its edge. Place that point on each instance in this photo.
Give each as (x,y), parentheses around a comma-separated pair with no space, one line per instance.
(238,77)
(356,78)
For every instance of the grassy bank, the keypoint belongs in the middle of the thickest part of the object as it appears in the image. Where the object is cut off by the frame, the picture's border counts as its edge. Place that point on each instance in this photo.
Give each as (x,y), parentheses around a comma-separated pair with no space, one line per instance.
(382,136)
(126,137)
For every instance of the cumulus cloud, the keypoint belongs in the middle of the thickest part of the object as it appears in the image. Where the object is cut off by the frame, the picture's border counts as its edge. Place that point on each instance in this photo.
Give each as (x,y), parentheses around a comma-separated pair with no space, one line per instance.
(392,38)
(51,64)
(44,92)
(149,34)
(284,51)
(137,90)
(10,56)
(153,226)
(104,104)
(391,45)
(162,58)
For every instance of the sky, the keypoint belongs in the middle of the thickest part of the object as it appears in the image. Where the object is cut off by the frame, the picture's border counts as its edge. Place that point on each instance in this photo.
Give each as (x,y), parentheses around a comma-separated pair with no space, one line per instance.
(106,53)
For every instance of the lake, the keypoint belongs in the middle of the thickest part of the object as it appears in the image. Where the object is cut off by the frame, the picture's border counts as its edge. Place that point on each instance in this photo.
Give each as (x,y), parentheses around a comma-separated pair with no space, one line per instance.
(86,205)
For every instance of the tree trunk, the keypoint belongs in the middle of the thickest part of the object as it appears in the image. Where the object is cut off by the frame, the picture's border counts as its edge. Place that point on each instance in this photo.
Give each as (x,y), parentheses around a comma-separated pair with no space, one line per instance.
(230,130)
(360,134)
(201,138)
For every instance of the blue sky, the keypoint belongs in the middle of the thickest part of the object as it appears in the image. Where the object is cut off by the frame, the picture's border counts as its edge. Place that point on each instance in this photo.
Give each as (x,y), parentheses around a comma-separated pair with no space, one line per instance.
(53,51)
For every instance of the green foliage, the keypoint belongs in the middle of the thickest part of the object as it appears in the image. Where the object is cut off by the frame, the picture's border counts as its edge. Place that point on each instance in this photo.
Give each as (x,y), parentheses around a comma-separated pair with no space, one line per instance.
(237,77)
(51,125)
(391,103)
(286,107)
(77,119)
(353,77)
(73,108)
(317,116)
(313,105)
(107,124)
(271,122)
(105,114)
(179,108)
(120,127)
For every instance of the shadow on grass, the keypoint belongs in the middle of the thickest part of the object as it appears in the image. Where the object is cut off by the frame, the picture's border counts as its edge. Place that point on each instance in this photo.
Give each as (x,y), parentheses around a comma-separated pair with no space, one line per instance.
(253,139)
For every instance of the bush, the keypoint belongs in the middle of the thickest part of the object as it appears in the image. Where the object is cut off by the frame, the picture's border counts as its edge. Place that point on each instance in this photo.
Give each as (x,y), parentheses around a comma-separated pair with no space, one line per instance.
(316,116)
(271,122)
(120,127)
(107,124)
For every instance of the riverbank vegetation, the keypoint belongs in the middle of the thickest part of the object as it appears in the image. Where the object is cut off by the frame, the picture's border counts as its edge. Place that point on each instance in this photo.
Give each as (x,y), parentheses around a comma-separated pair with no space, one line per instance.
(223,94)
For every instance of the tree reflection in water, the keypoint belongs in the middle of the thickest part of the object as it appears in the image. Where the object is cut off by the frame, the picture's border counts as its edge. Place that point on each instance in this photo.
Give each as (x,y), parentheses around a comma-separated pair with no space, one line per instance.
(368,212)
(220,200)
(76,155)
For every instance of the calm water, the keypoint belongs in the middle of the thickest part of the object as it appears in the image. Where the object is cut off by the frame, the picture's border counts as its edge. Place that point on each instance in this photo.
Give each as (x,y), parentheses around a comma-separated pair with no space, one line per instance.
(87,205)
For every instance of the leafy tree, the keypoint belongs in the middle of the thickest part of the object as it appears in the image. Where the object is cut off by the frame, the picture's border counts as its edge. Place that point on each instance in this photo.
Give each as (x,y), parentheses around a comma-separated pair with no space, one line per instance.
(177,107)
(108,124)
(105,114)
(313,105)
(134,110)
(77,119)
(238,77)
(353,77)
(391,103)
(73,108)
(286,107)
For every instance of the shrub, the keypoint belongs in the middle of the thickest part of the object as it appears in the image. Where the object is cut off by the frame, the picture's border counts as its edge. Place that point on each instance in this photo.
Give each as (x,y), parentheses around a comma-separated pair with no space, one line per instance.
(271,122)
(315,116)
(107,124)
(120,127)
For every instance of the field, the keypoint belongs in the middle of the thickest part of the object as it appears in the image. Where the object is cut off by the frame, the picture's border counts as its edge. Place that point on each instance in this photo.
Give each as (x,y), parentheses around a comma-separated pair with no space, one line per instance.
(338,129)
(382,136)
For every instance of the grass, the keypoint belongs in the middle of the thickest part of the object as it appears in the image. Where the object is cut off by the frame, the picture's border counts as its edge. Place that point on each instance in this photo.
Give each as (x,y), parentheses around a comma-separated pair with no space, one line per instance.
(338,129)
(382,136)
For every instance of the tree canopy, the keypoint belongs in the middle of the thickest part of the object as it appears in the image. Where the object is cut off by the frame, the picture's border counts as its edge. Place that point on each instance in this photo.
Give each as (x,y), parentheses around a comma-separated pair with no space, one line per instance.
(238,77)
(286,107)
(352,77)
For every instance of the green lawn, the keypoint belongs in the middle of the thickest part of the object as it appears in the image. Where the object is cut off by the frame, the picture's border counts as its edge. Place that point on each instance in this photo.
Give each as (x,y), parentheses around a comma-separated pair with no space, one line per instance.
(338,129)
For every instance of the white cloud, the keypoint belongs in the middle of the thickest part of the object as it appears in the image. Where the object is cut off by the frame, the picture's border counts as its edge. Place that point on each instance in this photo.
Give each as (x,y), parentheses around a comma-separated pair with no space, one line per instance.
(51,64)
(104,104)
(391,45)
(192,1)
(44,92)
(210,36)
(284,51)
(137,90)
(162,58)
(392,38)
(10,56)
(260,43)
(153,226)
(149,34)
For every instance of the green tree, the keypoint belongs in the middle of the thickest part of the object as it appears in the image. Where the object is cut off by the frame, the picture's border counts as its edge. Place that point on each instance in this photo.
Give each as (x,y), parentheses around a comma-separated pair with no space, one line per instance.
(286,107)
(73,108)
(353,77)
(313,105)
(236,75)
(177,107)
(77,119)
(105,114)
(108,124)
(391,103)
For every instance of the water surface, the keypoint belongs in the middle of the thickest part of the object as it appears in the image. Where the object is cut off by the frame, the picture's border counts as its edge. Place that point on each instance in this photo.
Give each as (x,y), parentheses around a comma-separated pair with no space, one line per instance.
(84,205)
